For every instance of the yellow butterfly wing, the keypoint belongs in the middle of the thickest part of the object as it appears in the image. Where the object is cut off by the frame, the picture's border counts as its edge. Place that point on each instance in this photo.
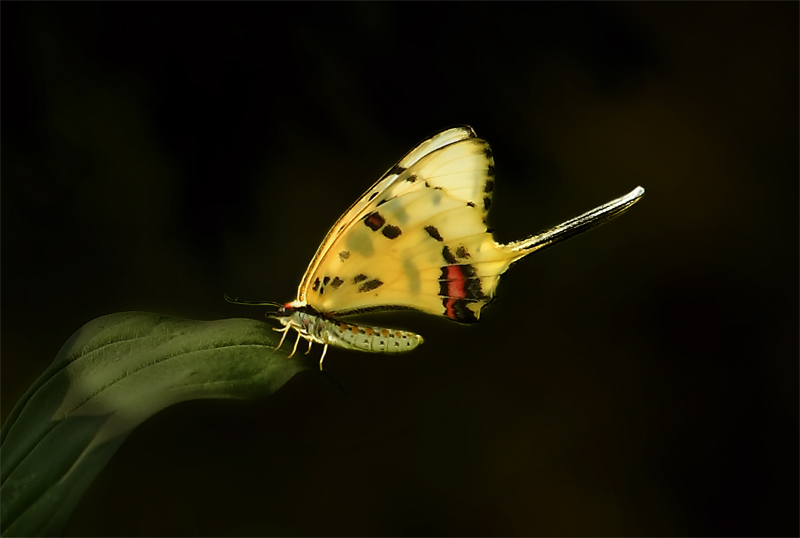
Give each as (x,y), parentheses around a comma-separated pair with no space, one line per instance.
(415,237)
(388,186)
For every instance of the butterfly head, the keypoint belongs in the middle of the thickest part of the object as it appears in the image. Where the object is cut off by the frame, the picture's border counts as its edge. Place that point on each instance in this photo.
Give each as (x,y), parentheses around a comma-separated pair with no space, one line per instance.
(289,309)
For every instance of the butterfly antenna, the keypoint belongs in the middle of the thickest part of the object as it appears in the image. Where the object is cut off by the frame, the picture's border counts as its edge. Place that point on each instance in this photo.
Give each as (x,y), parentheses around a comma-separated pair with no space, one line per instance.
(235,300)
(577,225)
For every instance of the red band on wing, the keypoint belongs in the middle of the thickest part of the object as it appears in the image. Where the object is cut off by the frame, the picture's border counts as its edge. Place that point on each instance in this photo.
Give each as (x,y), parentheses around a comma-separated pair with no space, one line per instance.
(455,282)
(454,287)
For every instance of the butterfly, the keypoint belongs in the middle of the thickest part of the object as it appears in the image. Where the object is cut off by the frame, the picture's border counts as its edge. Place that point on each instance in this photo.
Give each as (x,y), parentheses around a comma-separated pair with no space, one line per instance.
(416,240)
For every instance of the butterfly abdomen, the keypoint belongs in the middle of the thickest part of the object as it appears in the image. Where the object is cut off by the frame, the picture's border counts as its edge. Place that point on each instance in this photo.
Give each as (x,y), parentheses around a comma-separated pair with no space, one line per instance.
(365,338)
(325,330)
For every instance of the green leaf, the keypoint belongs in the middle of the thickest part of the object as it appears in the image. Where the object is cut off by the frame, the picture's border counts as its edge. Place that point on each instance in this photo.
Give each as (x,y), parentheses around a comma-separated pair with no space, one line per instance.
(111,375)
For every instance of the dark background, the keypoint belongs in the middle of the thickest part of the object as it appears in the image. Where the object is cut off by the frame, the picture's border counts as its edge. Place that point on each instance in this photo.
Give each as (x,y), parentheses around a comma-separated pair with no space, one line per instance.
(638,380)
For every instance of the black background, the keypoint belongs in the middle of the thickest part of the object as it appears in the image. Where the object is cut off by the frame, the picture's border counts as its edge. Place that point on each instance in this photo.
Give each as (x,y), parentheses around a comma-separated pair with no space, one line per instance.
(639,380)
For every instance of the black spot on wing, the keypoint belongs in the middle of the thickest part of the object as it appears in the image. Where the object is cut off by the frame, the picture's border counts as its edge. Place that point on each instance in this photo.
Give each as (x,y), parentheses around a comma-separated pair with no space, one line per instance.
(488,152)
(434,232)
(315,287)
(487,203)
(462,252)
(468,271)
(396,170)
(444,284)
(336,283)
(392,232)
(373,195)
(472,286)
(343,255)
(359,278)
(374,221)
(457,310)
(381,202)
(411,178)
(447,255)
(489,183)
(370,285)
(471,204)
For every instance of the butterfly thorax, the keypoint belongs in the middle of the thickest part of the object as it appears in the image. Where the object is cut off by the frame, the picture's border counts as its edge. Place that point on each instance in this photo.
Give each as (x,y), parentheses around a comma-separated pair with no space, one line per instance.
(322,329)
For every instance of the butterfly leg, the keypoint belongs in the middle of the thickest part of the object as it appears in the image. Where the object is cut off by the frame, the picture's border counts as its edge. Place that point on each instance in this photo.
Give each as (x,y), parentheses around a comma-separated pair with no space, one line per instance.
(324,351)
(309,346)
(295,346)
(284,330)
